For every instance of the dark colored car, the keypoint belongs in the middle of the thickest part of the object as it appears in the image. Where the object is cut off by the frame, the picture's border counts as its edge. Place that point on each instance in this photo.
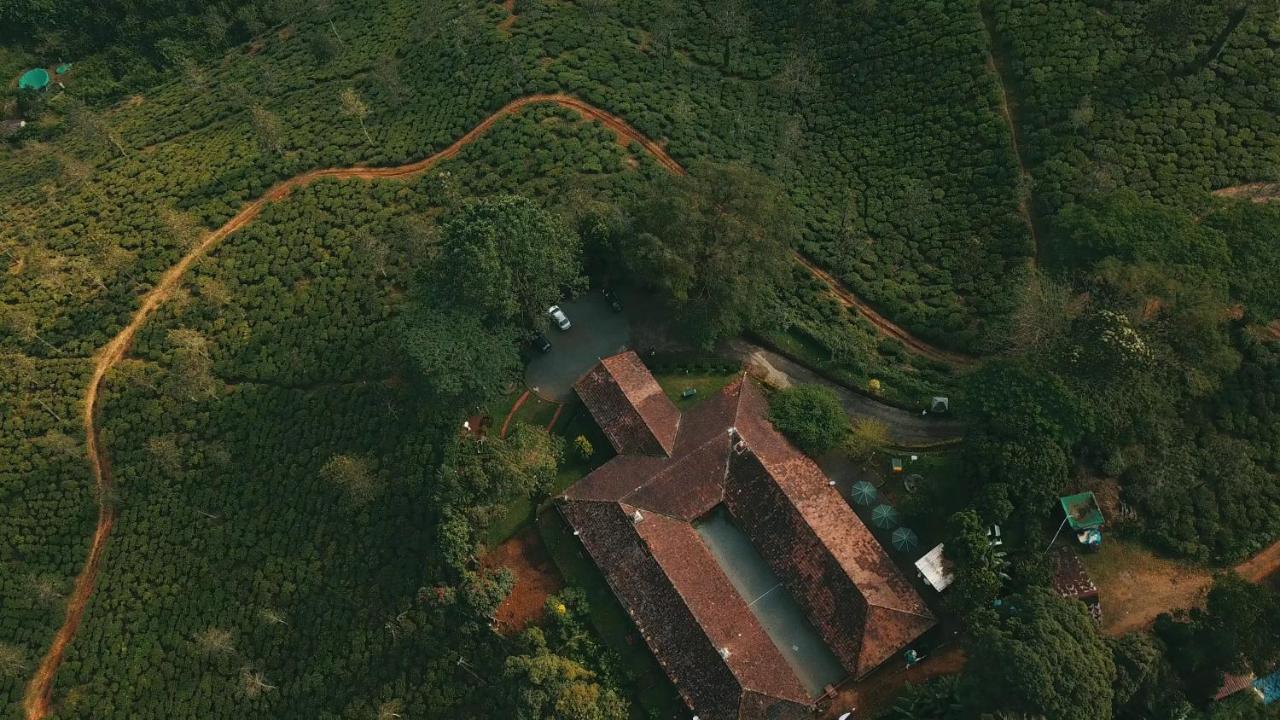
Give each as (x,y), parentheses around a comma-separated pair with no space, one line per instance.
(541,342)
(613,300)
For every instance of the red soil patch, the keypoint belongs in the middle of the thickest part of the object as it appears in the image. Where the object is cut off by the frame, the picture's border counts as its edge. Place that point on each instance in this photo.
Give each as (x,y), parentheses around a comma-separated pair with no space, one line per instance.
(510,7)
(536,580)
(478,425)
(506,424)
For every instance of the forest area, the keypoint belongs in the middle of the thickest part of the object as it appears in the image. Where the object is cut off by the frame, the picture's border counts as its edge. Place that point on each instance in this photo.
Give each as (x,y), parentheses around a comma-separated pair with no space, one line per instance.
(263,258)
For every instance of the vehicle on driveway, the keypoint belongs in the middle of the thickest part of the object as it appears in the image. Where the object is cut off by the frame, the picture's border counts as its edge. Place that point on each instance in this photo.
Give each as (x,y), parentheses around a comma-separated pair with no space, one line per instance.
(557,315)
(613,300)
(541,342)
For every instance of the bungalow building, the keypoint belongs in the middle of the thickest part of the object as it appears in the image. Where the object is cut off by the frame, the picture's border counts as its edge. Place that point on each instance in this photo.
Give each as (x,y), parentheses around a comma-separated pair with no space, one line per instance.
(637,517)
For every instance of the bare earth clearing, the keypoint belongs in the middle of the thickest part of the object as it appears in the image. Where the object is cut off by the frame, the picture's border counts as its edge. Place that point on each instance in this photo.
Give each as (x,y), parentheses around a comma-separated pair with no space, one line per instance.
(536,580)
(1257,192)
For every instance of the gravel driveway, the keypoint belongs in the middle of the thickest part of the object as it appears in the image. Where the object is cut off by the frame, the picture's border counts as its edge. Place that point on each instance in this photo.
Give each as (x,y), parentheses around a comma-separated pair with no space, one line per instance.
(905,427)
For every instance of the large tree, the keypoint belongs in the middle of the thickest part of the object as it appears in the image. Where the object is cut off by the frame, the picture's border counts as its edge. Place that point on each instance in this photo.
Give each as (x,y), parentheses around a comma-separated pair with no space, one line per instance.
(1043,657)
(461,358)
(715,243)
(1237,631)
(508,259)
(811,416)
(541,684)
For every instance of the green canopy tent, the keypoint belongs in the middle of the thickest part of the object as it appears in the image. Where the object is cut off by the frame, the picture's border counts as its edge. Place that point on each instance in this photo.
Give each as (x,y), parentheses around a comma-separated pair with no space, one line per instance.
(34,79)
(905,539)
(884,517)
(863,492)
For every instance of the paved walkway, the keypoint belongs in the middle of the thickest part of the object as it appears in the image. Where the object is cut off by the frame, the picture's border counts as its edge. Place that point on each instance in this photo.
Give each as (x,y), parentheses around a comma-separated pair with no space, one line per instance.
(905,427)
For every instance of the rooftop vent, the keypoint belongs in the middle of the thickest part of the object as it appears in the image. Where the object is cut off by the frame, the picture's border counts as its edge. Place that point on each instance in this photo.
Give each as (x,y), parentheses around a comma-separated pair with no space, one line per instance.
(636,517)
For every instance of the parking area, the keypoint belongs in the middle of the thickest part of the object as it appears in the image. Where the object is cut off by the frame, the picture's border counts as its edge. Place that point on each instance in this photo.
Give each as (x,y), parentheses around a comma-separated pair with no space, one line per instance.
(597,331)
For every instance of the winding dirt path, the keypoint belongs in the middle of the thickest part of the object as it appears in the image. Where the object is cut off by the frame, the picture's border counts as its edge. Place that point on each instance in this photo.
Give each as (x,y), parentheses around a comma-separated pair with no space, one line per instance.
(998,65)
(36,700)
(883,324)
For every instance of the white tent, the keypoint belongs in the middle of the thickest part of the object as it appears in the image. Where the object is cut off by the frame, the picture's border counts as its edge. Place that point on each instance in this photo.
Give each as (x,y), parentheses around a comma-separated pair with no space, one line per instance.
(936,569)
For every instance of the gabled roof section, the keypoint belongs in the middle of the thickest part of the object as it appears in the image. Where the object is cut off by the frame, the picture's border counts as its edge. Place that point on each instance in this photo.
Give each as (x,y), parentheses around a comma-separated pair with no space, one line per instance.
(629,406)
(700,630)
(833,538)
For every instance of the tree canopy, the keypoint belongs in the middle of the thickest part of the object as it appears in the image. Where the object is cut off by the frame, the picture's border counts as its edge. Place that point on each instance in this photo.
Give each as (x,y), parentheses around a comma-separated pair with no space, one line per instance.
(1042,657)
(507,259)
(714,243)
(811,416)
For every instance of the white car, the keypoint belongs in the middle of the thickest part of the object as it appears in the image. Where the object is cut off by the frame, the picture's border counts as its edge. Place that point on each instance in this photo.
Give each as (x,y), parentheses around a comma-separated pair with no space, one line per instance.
(561,320)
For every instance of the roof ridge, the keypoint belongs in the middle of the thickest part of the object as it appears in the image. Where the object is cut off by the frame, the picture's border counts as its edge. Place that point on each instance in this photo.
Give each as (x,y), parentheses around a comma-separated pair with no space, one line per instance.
(667,466)
(623,501)
(927,615)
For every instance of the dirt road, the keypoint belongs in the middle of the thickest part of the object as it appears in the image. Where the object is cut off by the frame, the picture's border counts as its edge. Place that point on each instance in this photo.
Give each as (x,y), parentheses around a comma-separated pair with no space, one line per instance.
(36,699)
(906,428)
(883,324)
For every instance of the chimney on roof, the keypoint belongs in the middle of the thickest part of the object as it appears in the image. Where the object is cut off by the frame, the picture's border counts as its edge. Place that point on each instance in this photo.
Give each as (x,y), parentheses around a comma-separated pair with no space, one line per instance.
(636,517)
(724,653)
(739,444)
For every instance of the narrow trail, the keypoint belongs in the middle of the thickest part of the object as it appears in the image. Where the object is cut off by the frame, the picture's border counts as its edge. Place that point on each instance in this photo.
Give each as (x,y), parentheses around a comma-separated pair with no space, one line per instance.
(36,699)
(883,324)
(1258,192)
(1008,107)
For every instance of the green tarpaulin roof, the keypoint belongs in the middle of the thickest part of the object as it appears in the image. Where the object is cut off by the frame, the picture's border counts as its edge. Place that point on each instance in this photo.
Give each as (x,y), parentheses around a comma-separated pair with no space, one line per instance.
(1082,511)
(34,79)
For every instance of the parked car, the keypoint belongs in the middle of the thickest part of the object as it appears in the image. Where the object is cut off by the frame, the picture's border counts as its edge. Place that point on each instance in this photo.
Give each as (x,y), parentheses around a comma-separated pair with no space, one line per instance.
(614,302)
(557,315)
(541,343)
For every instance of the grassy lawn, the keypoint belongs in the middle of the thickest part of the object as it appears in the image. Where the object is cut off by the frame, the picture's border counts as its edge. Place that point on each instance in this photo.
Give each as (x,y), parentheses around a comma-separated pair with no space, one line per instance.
(707,384)
(574,421)
(651,691)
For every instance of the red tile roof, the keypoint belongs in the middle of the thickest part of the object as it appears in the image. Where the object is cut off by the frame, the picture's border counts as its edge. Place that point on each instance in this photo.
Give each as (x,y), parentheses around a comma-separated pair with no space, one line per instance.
(1232,684)
(859,602)
(724,450)
(629,406)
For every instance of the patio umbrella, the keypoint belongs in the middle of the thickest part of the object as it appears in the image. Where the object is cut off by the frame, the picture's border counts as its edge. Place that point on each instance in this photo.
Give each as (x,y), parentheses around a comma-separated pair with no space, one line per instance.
(884,516)
(863,492)
(905,539)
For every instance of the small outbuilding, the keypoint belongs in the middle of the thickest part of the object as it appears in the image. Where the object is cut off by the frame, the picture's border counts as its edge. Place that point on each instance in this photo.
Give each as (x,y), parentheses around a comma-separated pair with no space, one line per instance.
(1085,517)
(935,569)
(1268,688)
(1232,684)
(34,79)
